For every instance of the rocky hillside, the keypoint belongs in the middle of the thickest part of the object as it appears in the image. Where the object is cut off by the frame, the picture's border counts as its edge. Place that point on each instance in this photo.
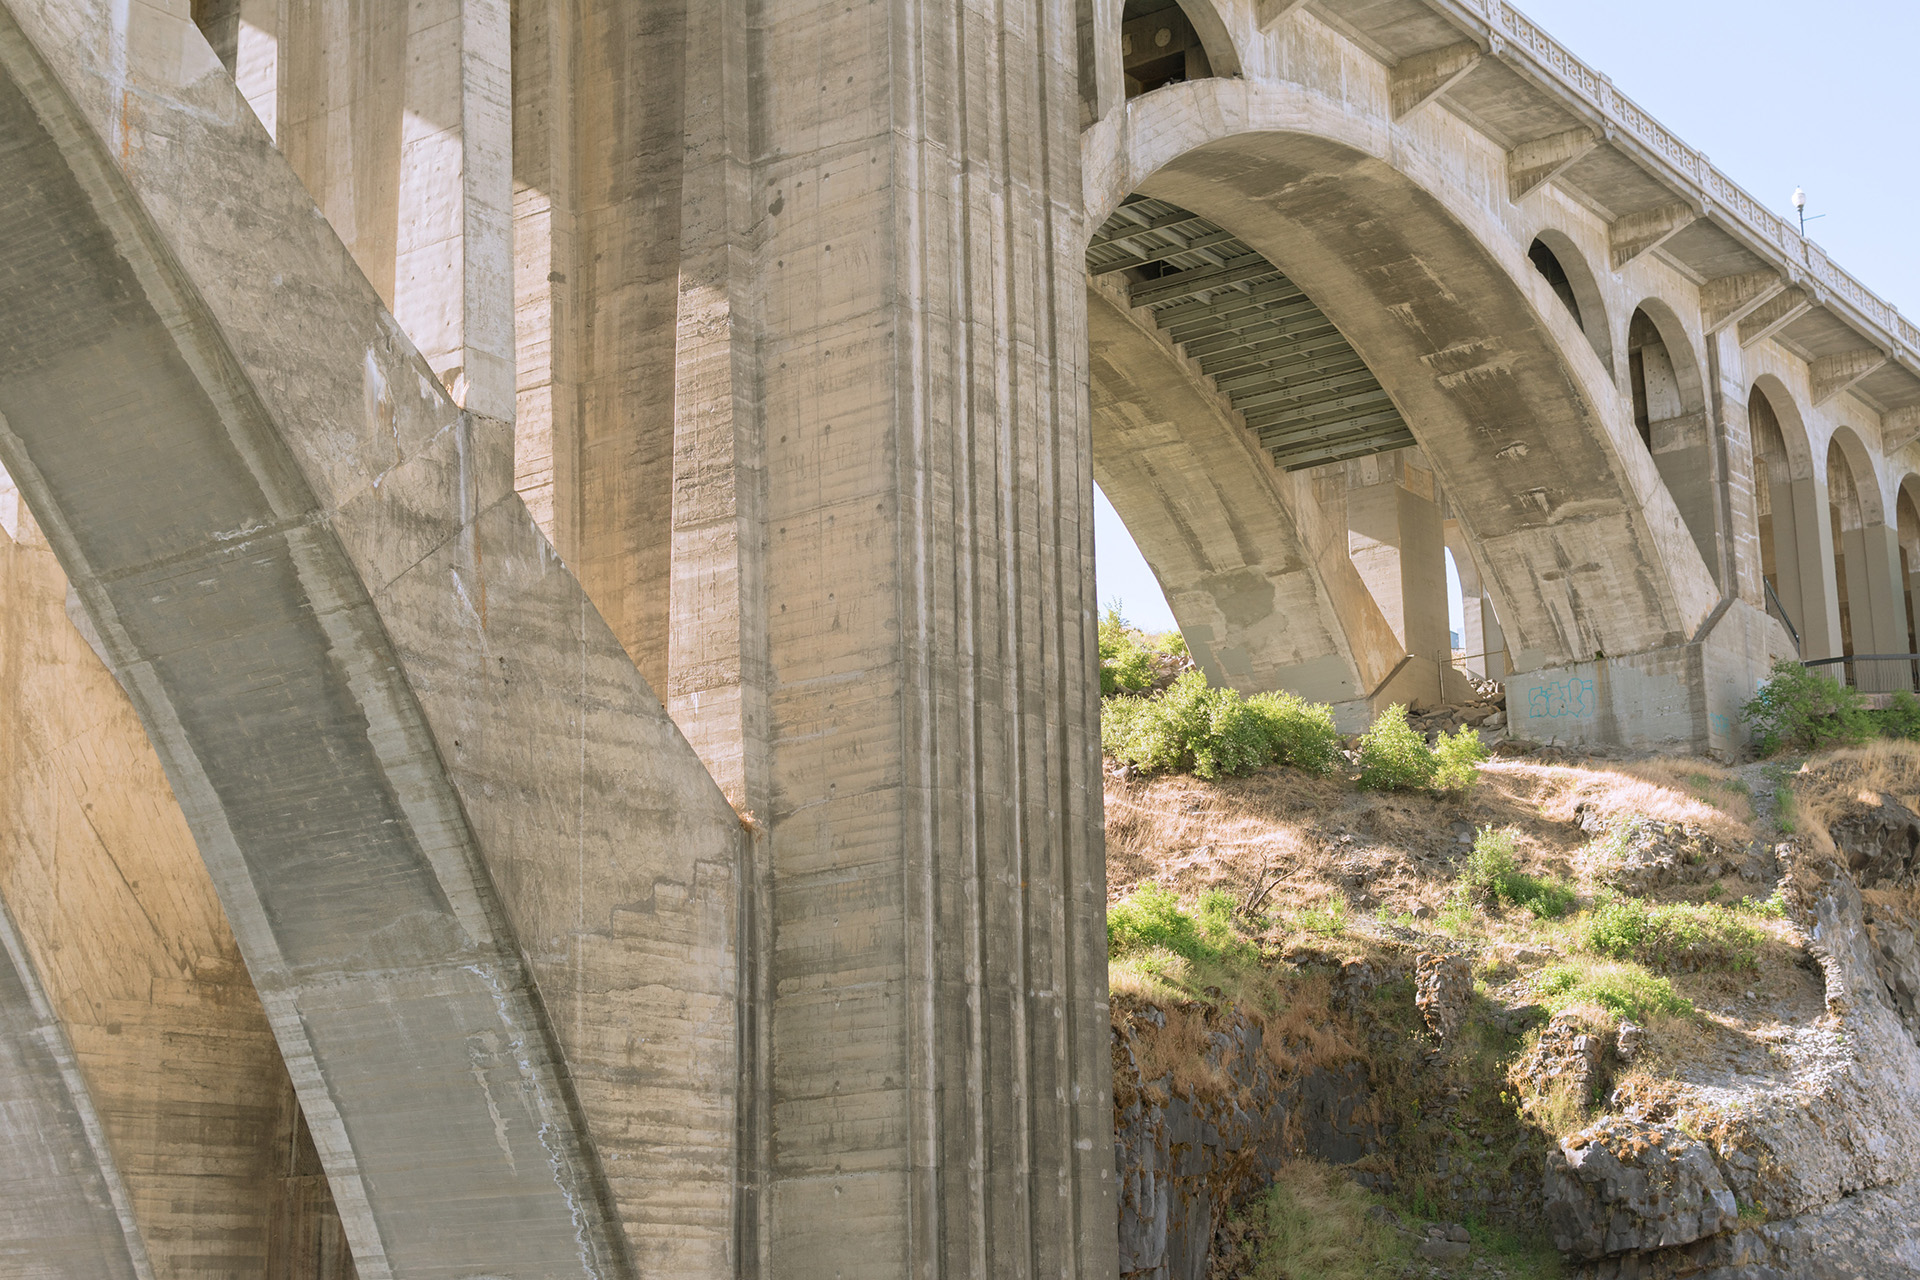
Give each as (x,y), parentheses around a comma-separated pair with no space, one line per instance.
(1598,1018)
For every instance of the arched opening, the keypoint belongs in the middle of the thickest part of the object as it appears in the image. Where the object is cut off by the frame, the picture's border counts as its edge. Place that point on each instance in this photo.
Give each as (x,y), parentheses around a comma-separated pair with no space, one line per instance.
(1165,42)
(1510,424)
(1560,262)
(1772,492)
(1669,413)
(1870,585)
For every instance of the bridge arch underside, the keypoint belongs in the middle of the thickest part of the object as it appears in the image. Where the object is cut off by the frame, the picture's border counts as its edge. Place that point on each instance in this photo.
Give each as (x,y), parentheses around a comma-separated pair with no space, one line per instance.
(272,529)
(1582,550)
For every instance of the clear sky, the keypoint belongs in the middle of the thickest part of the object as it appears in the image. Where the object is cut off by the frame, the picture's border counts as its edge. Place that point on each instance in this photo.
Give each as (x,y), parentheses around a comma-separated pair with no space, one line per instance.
(1818,94)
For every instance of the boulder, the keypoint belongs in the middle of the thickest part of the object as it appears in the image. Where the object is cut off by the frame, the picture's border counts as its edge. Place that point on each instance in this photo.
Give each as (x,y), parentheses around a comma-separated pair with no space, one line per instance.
(1622,1185)
(1879,843)
(1647,855)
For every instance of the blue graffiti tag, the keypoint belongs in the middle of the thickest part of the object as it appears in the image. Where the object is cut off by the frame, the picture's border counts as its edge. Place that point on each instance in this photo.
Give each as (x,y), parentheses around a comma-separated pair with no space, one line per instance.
(1557,698)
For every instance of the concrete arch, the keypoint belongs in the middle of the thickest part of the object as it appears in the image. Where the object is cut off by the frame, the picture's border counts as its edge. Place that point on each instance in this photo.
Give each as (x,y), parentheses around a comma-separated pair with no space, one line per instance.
(1872,587)
(1503,390)
(1223,54)
(1791,422)
(1863,474)
(1594,319)
(356,656)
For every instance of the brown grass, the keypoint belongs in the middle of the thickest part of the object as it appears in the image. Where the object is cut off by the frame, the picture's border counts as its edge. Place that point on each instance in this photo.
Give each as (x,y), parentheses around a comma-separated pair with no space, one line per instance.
(1827,786)
(1694,791)
(1316,838)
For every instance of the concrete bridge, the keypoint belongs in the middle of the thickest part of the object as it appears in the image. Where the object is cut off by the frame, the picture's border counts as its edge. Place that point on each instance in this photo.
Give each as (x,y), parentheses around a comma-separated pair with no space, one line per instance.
(546,614)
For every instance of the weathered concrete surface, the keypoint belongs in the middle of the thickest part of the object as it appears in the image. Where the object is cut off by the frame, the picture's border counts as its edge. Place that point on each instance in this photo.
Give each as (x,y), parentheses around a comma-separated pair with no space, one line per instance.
(118,917)
(63,1212)
(376,693)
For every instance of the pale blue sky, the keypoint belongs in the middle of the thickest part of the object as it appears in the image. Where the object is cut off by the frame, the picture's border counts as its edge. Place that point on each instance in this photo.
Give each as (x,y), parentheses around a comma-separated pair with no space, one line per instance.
(1819,95)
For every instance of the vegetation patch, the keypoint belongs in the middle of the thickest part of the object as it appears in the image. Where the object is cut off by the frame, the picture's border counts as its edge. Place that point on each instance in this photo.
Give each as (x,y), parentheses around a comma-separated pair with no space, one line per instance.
(1208,732)
(1622,988)
(1798,709)
(1393,757)
(1134,661)
(1493,878)
(1672,936)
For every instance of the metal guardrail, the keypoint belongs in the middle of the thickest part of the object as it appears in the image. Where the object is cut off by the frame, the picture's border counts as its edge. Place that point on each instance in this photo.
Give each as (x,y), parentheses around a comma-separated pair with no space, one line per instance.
(1850,674)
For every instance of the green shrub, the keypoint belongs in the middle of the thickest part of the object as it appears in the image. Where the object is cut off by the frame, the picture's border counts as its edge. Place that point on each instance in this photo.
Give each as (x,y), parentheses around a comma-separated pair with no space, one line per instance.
(1801,711)
(1901,719)
(1675,936)
(1624,990)
(1773,908)
(1211,732)
(1492,876)
(1126,664)
(1301,733)
(1392,756)
(1150,919)
(1457,759)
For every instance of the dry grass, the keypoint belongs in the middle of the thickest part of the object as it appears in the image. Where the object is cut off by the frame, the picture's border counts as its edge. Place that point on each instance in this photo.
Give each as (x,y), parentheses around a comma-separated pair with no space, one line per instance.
(1312,839)
(1179,1051)
(1827,786)
(1694,791)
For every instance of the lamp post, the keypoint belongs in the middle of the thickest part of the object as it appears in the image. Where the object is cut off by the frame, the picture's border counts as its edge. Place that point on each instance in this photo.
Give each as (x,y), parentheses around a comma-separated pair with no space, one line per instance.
(1800,207)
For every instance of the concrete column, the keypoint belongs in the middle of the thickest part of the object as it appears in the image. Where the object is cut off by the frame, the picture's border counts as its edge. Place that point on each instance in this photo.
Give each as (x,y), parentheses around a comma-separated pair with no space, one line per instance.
(600,144)
(1423,567)
(916,400)
(398,119)
(1727,374)
(1876,598)
(1803,550)
(1398,545)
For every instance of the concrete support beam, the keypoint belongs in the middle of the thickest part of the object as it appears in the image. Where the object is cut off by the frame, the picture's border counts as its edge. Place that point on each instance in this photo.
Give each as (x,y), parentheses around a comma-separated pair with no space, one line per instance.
(1398,544)
(935,1021)
(1803,547)
(1421,78)
(1532,165)
(1834,374)
(1636,233)
(442,781)
(116,913)
(1772,316)
(399,120)
(1271,12)
(1727,300)
(1877,602)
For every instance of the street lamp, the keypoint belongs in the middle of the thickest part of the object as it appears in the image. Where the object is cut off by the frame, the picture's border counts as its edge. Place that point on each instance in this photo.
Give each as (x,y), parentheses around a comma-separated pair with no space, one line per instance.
(1800,207)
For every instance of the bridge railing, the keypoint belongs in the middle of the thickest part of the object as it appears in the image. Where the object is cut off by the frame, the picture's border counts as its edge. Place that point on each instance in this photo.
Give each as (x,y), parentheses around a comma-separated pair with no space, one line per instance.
(1872,672)
(1508,32)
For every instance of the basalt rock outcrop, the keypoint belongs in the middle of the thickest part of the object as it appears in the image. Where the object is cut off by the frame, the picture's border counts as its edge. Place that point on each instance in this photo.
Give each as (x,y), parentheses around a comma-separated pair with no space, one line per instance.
(1827,1166)
(1193,1146)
